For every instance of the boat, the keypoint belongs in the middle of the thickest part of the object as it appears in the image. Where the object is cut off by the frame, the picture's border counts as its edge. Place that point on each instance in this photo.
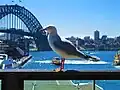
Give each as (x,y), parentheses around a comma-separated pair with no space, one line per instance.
(12,56)
(9,63)
(56,61)
(2,58)
(116,60)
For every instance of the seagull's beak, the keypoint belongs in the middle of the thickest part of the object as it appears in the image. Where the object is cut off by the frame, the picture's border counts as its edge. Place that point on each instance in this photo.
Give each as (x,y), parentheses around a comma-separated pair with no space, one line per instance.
(43,31)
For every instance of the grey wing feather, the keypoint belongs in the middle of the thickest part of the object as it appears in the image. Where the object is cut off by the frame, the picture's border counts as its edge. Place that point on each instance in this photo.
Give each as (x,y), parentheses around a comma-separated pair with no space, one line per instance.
(68,48)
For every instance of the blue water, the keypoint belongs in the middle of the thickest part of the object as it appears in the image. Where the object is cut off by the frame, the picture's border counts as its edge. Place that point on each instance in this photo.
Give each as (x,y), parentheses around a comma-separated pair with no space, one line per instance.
(37,62)
(45,56)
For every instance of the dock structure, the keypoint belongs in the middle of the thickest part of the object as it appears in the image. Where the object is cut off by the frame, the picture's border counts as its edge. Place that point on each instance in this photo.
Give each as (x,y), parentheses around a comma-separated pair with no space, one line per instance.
(58,84)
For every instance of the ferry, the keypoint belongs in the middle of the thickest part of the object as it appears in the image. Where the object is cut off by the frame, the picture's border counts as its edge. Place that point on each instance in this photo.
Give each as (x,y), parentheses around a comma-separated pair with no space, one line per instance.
(116,61)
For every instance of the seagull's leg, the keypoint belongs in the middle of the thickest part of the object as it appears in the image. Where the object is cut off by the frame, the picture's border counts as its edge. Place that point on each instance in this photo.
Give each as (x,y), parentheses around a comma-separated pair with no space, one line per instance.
(62,64)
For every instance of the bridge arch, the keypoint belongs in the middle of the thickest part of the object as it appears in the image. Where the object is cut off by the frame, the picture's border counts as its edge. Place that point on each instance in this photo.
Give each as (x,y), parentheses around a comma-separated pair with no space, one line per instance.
(26,16)
(29,20)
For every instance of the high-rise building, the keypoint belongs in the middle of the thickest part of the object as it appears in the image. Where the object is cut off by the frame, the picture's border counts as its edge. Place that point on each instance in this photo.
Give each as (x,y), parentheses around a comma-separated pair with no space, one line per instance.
(79,42)
(96,35)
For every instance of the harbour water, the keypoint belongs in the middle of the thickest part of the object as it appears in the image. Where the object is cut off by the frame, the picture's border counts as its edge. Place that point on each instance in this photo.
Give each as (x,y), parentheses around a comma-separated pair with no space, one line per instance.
(41,60)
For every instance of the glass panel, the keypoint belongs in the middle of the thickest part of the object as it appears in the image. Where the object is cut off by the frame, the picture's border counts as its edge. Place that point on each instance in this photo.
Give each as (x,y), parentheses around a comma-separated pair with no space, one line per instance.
(109,84)
(59,85)
(0,84)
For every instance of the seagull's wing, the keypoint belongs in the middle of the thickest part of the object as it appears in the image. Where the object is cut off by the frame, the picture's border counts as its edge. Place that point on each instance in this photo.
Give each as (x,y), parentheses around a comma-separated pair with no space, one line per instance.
(71,50)
(68,48)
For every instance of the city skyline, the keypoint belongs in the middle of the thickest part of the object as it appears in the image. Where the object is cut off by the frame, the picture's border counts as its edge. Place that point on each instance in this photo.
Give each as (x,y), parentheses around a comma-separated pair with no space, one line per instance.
(79,18)
(93,37)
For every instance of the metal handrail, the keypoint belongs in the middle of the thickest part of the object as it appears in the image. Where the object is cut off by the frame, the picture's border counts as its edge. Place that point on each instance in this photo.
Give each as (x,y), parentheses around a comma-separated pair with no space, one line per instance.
(14,79)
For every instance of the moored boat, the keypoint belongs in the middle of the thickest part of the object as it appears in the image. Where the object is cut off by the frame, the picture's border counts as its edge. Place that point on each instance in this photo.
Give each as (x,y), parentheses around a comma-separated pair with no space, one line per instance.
(116,60)
(12,56)
(56,61)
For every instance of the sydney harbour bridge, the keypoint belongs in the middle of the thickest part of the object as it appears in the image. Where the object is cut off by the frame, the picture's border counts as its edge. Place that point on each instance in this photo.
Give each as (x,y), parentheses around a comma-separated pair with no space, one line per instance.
(16,22)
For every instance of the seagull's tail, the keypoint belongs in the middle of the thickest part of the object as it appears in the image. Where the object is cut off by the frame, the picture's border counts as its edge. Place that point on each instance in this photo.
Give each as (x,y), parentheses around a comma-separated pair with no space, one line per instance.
(91,58)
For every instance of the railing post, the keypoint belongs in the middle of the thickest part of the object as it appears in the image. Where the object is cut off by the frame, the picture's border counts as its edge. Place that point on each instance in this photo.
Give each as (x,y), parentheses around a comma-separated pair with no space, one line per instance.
(93,85)
(12,82)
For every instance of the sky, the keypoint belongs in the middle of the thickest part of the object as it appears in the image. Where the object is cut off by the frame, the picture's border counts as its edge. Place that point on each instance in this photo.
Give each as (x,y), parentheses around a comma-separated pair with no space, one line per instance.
(77,18)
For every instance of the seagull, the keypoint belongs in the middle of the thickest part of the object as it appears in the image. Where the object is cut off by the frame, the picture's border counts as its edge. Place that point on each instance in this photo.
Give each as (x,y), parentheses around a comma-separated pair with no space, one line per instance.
(63,48)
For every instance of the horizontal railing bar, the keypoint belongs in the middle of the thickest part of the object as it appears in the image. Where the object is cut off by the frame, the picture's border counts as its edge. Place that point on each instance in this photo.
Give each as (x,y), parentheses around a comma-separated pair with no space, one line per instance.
(63,75)
(10,79)
(39,70)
